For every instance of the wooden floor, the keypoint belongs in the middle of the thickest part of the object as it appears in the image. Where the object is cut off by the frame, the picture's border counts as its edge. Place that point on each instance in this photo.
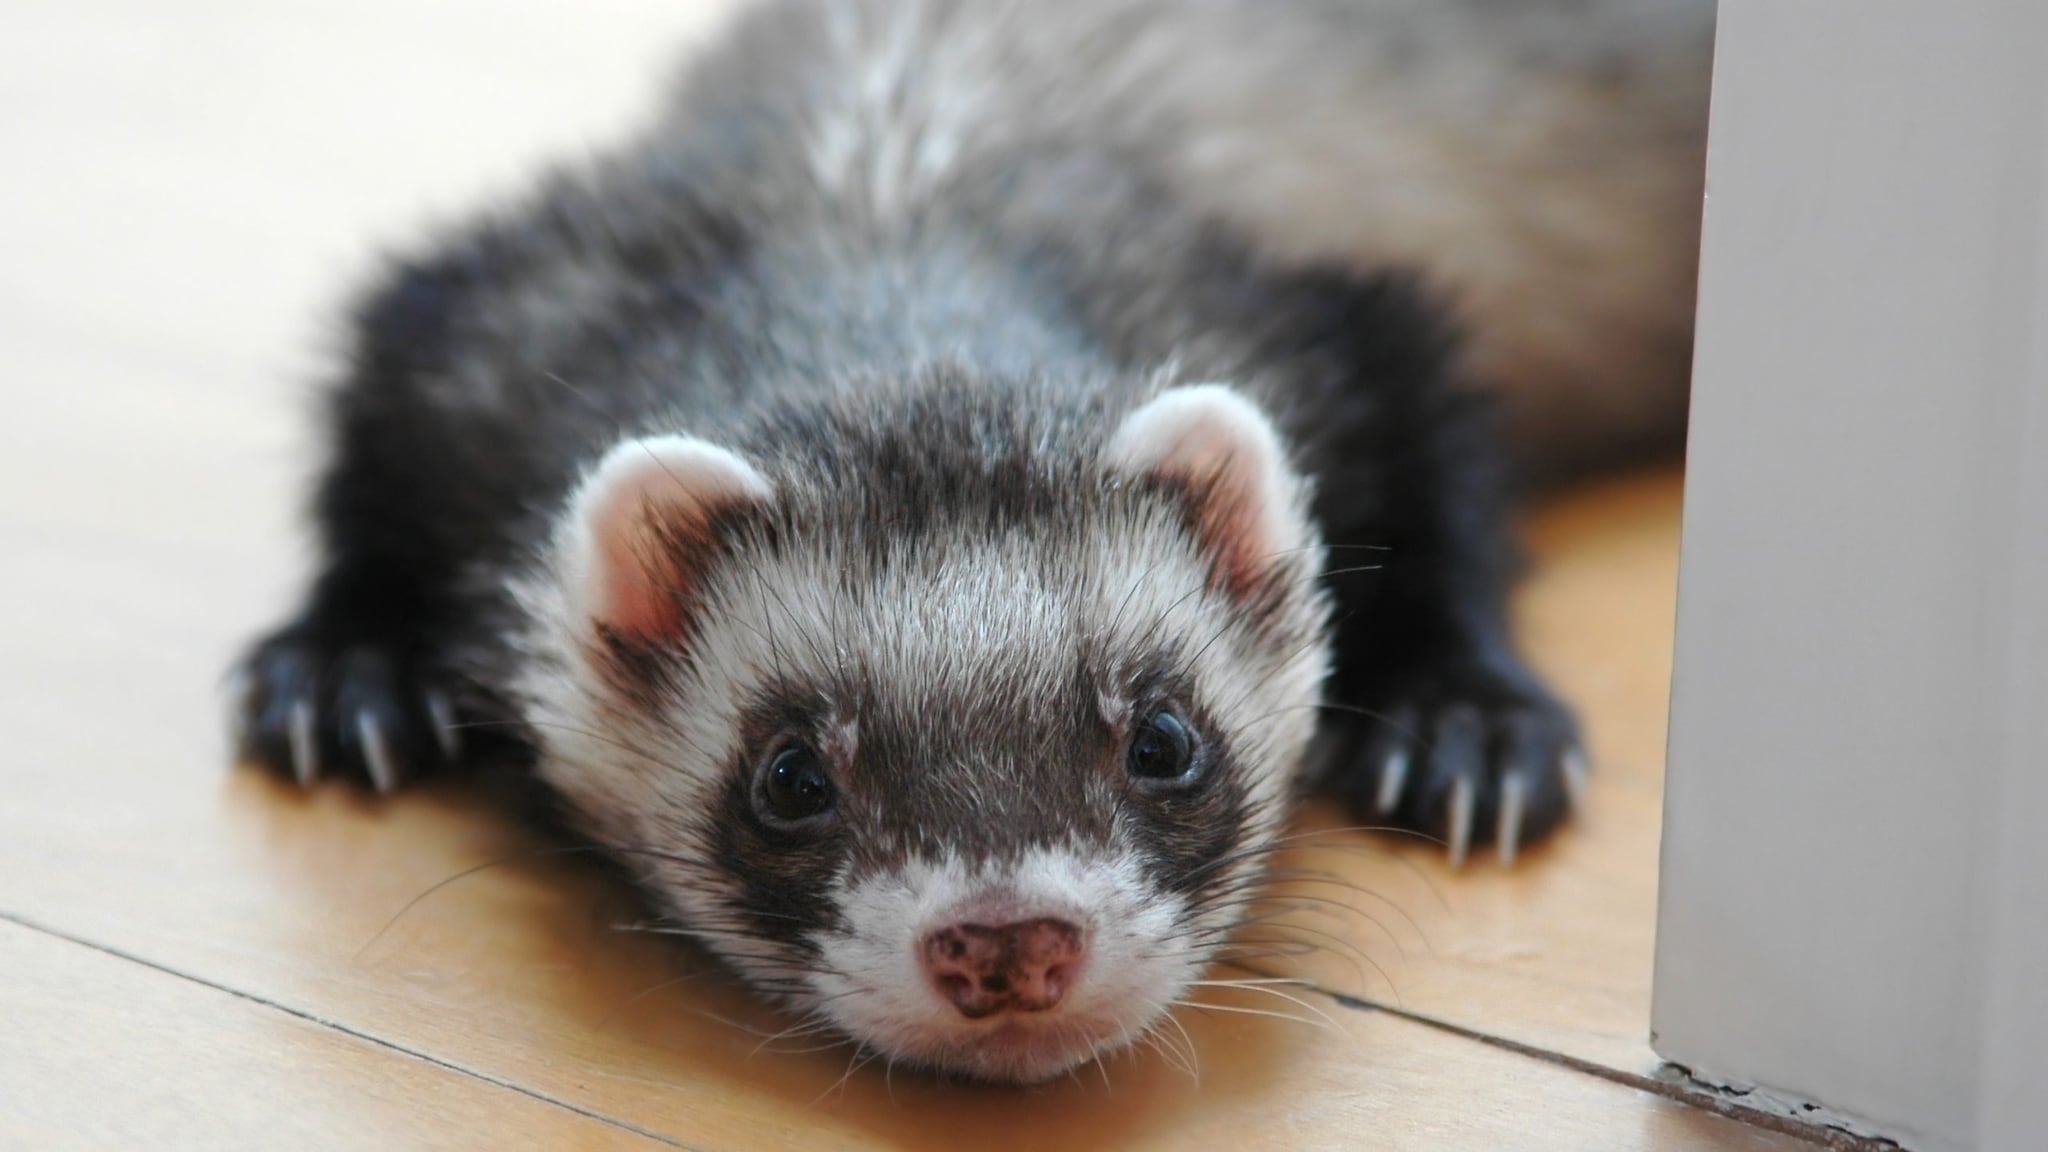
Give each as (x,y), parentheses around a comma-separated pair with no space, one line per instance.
(196,957)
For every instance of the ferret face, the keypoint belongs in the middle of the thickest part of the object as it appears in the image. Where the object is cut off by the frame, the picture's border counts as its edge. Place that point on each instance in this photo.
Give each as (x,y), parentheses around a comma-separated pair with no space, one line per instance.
(981,782)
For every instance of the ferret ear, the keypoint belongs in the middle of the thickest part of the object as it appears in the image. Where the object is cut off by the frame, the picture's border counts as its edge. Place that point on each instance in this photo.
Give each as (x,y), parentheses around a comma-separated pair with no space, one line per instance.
(645,518)
(1220,449)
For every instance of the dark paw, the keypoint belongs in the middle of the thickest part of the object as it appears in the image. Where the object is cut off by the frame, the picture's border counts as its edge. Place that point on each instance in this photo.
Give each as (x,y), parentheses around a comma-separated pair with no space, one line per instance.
(1474,755)
(310,709)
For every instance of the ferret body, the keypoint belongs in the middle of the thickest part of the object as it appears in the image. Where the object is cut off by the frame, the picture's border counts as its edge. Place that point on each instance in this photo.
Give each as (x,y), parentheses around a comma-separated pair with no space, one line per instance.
(929,504)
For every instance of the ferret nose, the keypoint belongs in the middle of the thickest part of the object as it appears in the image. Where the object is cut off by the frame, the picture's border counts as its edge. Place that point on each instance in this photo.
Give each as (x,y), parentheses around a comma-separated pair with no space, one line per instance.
(983,969)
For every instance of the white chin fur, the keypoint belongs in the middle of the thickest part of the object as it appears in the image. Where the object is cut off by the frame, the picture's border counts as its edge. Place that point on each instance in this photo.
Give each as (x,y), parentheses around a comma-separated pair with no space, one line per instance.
(1138,962)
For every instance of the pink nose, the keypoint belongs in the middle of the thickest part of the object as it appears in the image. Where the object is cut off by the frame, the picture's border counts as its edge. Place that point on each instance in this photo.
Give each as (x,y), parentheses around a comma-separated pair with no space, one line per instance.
(1025,967)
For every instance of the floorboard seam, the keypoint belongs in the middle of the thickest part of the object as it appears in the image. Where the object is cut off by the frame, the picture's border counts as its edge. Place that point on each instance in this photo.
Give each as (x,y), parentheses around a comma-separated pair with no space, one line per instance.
(1833,1138)
(344,1029)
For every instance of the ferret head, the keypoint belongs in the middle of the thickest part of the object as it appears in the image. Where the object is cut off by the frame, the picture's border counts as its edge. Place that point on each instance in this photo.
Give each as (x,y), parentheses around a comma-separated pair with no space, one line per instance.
(964,743)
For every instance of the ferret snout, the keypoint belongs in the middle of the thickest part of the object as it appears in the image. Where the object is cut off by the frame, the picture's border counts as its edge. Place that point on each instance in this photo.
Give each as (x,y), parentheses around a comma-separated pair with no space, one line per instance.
(1027,966)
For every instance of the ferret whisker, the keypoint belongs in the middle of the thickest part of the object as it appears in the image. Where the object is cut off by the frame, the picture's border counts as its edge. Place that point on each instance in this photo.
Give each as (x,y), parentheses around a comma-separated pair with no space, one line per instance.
(1194,1059)
(1117,618)
(1295,842)
(1345,839)
(1240,1010)
(862,1057)
(1280,897)
(1344,951)
(1154,1042)
(855,987)
(1274,905)
(1268,990)
(573,390)
(1251,687)
(736,917)
(1328,547)
(640,754)
(1148,1042)
(1278,910)
(807,1050)
(671,982)
(1400,949)
(731,945)
(1174,1051)
(1073,1070)
(1249,953)
(1329,572)
(1231,622)
(514,858)
(803,633)
(1096,1057)
(1166,1053)
(727,1021)
(803,1029)
(1289,980)
(1337,945)
(1285,877)
(1159,621)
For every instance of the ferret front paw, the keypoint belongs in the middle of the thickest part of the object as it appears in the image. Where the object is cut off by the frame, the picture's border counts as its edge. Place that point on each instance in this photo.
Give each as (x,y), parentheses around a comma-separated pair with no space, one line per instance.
(1471,752)
(309,708)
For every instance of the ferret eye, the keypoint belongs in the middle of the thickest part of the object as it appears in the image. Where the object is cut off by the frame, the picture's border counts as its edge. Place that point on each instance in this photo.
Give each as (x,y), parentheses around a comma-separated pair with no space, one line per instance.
(793,788)
(1162,750)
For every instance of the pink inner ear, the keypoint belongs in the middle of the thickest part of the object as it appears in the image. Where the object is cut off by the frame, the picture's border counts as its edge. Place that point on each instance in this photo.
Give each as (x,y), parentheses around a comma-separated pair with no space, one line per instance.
(1222,448)
(637,589)
(646,514)
(1234,529)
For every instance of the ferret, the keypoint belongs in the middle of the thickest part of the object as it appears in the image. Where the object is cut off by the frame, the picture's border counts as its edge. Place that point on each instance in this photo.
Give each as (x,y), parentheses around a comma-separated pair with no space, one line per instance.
(930,503)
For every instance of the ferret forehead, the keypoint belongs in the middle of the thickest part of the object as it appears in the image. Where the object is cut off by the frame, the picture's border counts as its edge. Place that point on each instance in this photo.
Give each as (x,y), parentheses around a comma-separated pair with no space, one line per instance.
(954,587)
(1001,623)
(917,628)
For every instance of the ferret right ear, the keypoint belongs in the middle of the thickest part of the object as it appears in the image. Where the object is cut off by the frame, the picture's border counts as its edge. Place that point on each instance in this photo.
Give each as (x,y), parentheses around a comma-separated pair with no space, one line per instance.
(644,520)
(1222,452)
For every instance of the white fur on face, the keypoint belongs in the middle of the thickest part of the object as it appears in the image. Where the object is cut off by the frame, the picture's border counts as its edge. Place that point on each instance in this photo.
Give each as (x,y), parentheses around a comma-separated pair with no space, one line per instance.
(1136,963)
(652,773)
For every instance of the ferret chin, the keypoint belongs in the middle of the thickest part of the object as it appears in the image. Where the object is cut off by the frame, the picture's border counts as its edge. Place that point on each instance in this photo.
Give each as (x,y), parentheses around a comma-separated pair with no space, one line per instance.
(927,533)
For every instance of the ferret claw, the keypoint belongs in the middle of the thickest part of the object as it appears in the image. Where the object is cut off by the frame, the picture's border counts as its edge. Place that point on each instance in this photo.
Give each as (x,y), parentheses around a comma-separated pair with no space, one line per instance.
(1576,777)
(1463,799)
(1514,795)
(1393,776)
(305,748)
(441,714)
(1492,762)
(376,753)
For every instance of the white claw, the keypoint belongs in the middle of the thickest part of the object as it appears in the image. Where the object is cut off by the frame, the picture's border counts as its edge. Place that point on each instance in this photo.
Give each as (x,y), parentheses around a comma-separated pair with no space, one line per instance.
(442,713)
(305,750)
(376,753)
(1576,776)
(1514,797)
(1463,800)
(1393,777)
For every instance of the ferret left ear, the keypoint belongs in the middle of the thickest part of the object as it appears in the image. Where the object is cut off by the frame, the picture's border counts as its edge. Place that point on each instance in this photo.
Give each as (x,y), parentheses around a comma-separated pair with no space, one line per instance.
(1222,451)
(645,521)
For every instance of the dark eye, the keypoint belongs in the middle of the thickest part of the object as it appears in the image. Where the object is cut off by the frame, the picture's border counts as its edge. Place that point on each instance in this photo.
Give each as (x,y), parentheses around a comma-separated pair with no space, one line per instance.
(1162,749)
(793,788)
